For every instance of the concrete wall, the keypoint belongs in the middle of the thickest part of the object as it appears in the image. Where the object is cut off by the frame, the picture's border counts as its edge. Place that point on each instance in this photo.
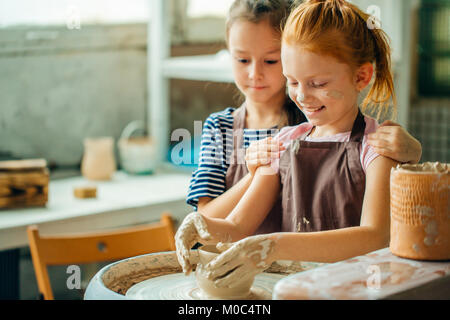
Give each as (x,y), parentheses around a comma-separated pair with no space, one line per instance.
(59,86)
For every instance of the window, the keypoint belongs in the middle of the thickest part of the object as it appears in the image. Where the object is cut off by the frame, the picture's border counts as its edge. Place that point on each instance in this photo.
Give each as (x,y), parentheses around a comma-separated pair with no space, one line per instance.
(67,12)
(434,48)
(202,8)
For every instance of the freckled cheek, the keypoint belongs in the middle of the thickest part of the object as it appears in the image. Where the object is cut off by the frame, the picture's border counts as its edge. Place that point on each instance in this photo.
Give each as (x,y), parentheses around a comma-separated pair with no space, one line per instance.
(325,99)
(333,94)
(342,97)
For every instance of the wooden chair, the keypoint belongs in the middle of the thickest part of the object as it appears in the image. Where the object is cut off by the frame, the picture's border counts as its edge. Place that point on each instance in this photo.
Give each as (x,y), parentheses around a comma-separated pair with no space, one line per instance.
(96,247)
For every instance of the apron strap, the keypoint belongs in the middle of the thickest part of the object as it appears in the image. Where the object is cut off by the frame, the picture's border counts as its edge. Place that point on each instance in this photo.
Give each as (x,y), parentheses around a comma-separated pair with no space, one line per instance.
(239,125)
(238,154)
(359,126)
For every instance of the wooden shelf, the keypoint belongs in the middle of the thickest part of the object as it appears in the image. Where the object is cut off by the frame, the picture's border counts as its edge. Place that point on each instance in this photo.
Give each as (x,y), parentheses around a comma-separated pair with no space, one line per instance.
(215,67)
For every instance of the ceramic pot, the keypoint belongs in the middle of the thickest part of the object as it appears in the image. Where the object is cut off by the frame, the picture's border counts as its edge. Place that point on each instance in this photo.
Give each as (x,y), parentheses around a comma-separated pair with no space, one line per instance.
(240,291)
(98,161)
(137,154)
(420,220)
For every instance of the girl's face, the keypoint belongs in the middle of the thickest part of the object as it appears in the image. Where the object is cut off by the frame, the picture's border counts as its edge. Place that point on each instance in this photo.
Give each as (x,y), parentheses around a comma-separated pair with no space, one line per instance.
(256,60)
(323,88)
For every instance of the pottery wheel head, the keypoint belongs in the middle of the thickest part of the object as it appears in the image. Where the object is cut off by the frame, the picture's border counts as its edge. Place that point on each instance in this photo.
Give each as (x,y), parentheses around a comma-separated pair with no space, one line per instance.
(180,287)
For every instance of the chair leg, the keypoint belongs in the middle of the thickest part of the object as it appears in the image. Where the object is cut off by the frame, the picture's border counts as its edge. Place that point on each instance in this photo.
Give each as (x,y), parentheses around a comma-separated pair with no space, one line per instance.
(40,269)
(166,219)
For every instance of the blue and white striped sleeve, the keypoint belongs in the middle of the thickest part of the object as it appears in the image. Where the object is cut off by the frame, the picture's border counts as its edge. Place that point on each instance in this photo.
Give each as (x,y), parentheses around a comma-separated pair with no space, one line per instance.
(209,178)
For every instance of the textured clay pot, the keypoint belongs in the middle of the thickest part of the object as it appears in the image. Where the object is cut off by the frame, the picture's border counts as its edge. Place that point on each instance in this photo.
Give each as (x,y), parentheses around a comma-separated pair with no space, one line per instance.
(420,218)
(240,290)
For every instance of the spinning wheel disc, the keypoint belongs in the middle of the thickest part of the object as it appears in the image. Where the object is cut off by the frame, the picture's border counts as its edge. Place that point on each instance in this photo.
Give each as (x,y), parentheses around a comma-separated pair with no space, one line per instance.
(177,286)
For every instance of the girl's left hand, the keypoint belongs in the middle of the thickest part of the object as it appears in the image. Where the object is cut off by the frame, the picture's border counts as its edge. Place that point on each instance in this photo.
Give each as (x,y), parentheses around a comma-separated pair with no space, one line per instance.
(193,229)
(393,141)
(248,256)
(261,153)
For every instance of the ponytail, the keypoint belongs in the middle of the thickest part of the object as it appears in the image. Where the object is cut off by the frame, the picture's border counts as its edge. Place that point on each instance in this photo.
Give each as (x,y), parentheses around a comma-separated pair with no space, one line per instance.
(382,89)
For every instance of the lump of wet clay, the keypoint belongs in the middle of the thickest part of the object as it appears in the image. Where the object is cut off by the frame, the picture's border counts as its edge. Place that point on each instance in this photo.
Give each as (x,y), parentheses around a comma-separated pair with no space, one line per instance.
(240,290)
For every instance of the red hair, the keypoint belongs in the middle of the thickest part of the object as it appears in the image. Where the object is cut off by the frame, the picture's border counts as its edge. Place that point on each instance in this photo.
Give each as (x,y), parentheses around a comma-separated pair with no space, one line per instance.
(340,29)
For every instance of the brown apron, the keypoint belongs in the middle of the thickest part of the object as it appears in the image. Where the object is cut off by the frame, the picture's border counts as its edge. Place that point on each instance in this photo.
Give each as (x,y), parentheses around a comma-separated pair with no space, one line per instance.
(323,183)
(237,170)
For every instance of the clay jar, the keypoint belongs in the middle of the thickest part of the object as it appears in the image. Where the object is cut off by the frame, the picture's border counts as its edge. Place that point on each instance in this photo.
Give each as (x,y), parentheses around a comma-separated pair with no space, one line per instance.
(98,159)
(420,220)
(241,290)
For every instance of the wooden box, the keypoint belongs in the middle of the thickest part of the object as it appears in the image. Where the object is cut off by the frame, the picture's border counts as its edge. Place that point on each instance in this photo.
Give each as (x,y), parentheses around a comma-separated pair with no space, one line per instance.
(23,183)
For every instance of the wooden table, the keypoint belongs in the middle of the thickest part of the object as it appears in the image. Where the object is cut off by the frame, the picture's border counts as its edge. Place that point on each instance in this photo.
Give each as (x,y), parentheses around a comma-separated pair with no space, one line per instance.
(123,201)
(377,275)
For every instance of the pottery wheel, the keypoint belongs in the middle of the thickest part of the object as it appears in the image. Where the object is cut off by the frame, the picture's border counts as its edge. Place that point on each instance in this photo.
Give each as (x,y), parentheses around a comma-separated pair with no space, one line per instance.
(178,286)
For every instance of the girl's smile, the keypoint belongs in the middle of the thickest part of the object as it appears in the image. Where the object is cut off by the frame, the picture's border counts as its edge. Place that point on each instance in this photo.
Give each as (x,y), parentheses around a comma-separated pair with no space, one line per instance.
(312,112)
(322,87)
(258,87)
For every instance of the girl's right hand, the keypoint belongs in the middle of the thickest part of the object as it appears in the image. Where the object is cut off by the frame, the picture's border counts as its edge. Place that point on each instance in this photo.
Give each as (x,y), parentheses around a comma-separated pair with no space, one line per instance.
(262,152)
(247,257)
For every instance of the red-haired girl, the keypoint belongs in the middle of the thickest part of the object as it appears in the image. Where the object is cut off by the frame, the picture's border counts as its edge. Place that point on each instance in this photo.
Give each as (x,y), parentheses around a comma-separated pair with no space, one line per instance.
(334,185)
(253,36)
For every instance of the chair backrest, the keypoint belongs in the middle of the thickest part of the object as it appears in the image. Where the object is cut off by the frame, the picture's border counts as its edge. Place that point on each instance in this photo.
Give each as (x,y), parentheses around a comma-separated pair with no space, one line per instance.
(96,247)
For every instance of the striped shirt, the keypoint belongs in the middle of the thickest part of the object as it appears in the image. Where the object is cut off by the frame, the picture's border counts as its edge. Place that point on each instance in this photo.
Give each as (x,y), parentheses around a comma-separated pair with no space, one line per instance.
(208,180)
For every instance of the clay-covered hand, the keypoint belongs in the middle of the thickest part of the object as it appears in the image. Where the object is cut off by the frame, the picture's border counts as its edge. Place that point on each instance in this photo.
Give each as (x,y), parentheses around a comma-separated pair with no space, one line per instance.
(192,230)
(239,260)
(393,141)
(261,153)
